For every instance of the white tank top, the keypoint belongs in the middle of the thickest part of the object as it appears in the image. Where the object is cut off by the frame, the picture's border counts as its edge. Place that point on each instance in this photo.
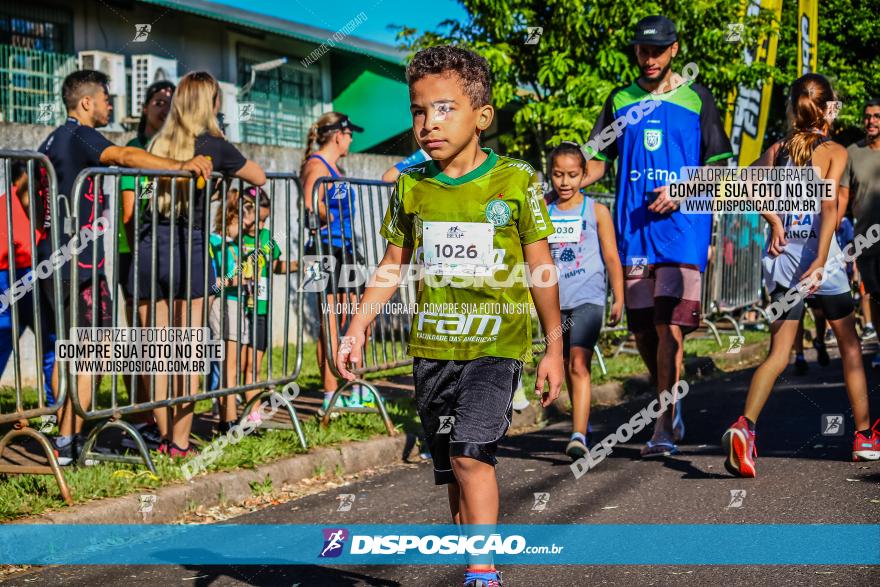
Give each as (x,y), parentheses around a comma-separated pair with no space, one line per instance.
(801,249)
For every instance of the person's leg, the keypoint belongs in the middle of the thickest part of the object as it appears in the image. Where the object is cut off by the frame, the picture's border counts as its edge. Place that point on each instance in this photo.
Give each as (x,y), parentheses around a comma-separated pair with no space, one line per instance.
(677,311)
(647,343)
(183,413)
(821,323)
(94,303)
(159,381)
(782,334)
(478,488)
(670,355)
(228,412)
(639,302)
(454,494)
(578,371)
(865,304)
(328,380)
(853,370)
(799,339)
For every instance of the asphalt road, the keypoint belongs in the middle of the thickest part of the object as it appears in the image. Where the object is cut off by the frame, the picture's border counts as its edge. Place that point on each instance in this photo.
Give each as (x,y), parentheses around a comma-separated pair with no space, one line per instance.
(803,477)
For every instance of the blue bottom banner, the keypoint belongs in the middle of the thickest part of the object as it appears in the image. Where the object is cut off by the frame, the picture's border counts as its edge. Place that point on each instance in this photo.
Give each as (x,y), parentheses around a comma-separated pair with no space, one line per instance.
(386,544)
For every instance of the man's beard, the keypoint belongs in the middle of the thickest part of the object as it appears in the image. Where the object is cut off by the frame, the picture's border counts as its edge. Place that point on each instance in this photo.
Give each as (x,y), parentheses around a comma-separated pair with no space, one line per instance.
(659,76)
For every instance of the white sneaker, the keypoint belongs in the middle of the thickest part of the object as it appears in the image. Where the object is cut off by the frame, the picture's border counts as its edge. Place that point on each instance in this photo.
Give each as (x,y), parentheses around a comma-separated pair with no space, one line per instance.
(520,401)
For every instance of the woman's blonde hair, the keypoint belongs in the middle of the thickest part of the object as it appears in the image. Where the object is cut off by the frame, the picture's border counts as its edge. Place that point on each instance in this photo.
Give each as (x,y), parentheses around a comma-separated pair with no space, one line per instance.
(321,138)
(191,115)
(808,115)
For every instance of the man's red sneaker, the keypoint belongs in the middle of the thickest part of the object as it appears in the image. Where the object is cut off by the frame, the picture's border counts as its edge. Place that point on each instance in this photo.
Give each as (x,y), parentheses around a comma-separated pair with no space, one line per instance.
(739,446)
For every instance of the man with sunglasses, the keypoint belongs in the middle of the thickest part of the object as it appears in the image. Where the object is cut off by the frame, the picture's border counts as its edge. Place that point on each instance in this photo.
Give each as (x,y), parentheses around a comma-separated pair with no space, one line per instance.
(861,179)
(655,126)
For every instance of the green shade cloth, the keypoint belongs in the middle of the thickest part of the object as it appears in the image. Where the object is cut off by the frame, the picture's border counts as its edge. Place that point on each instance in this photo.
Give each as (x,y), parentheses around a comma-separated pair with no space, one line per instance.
(378,104)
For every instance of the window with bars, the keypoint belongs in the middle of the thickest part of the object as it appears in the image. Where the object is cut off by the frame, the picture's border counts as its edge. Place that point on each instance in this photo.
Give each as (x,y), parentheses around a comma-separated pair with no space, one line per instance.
(34,27)
(285,100)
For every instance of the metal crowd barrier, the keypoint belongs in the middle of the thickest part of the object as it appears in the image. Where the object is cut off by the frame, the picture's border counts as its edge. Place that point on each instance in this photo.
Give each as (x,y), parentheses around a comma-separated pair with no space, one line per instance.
(385,347)
(733,278)
(107,410)
(15,302)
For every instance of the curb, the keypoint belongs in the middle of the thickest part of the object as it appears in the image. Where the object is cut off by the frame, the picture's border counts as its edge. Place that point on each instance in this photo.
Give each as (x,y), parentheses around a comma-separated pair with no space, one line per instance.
(174,500)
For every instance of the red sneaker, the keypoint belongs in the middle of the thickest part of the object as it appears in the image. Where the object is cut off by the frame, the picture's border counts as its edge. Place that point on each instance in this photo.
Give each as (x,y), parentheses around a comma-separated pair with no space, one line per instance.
(867,449)
(739,445)
(175,452)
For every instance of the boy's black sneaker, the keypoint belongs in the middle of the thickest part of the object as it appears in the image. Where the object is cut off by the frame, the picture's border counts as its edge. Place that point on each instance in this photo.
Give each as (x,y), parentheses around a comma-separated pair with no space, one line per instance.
(150,434)
(69,453)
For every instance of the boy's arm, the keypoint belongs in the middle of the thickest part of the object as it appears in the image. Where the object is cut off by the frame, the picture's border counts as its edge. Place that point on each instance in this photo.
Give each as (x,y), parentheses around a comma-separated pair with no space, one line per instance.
(546,298)
(383,283)
(608,243)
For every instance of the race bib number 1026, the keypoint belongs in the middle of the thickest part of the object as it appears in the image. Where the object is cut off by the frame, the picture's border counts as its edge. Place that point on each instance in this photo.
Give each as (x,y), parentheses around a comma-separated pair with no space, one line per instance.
(458,248)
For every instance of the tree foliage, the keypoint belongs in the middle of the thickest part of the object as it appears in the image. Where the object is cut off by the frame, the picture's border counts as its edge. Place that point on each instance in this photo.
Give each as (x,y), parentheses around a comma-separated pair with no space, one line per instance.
(556,87)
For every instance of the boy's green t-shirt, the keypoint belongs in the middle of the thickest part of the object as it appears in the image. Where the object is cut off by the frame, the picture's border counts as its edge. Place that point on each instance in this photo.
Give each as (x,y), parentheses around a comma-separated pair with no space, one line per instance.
(264,258)
(499,205)
(226,265)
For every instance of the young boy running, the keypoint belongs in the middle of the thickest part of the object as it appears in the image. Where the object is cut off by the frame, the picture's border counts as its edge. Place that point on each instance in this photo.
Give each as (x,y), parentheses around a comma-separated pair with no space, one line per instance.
(472,217)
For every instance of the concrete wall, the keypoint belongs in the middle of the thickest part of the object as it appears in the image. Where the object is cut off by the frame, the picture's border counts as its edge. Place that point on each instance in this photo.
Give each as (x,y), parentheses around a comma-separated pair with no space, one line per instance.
(29,137)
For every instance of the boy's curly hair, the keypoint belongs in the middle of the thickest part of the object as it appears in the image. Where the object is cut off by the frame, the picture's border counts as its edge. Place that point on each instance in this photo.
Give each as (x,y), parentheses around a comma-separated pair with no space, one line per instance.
(473,69)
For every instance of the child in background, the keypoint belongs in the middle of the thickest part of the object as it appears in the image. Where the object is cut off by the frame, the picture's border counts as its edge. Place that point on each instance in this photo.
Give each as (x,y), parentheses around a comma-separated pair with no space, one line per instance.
(582,247)
(231,287)
(20,257)
(259,252)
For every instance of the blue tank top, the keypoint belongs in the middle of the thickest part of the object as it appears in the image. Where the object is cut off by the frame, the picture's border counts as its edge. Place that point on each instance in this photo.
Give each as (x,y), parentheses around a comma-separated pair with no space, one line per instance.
(801,249)
(580,264)
(339,200)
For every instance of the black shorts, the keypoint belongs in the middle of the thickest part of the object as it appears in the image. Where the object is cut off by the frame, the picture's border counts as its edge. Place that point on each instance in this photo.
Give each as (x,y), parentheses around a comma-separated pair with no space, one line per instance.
(869,271)
(258,327)
(834,307)
(477,394)
(584,323)
(181,258)
(123,269)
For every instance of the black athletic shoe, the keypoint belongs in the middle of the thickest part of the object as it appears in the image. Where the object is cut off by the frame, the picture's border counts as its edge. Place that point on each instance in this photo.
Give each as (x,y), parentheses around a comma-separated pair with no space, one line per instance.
(150,434)
(800,366)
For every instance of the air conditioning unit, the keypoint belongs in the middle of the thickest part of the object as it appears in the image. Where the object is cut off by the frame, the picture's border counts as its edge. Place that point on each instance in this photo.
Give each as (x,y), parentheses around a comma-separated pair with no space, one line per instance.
(113,65)
(145,70)
(230,110)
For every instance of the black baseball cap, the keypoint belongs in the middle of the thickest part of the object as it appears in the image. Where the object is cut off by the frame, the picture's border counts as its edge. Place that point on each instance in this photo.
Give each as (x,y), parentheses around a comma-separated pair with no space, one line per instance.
(343,124)
(655,30)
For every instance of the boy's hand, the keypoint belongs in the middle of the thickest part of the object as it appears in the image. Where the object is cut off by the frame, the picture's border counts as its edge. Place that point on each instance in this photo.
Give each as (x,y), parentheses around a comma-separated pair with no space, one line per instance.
(349,353)
(550,370)
(615,313)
